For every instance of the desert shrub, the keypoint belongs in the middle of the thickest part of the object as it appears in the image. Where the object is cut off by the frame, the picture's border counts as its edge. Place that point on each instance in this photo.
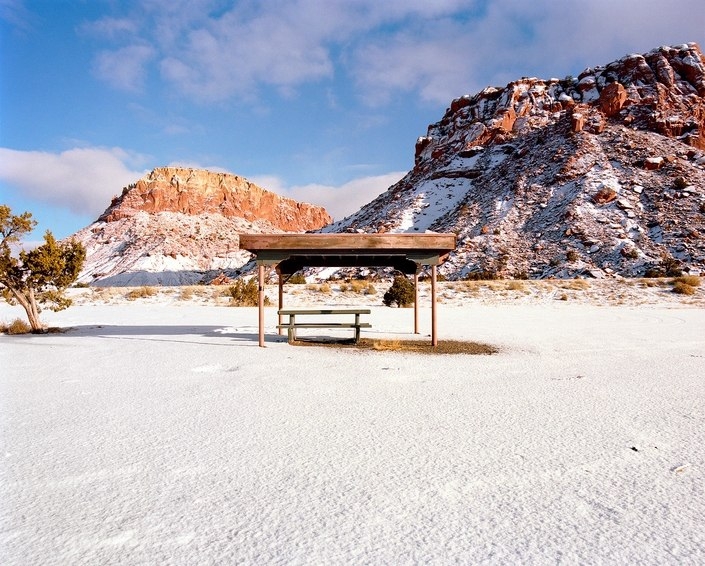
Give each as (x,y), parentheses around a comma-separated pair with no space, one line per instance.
(186,294)
(400,293)
(17,326)
(345,287)
(427,277)
(667,267)
(297,279)
(483,275)
(631,253)
(362,287)
(325,288)
(680,183)
(576,285)
(572,255)
(140,293)
(516,286)
(692,280)
(245,293)
(672,267)
(683,288)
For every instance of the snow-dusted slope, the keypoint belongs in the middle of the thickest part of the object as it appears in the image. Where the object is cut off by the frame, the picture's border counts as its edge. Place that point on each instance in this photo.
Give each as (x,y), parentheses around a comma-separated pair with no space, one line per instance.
(180,226)
(166,248)
(596,175)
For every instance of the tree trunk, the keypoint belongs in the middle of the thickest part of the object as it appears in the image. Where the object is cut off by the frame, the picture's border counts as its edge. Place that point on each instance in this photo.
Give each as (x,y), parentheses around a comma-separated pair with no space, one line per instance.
(29,304)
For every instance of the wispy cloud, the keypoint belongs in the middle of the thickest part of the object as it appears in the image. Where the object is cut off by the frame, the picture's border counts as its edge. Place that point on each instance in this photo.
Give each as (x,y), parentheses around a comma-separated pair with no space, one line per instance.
(15,13)
(82,180)
(435,50)
(126,68)
(110,28)
(340,201)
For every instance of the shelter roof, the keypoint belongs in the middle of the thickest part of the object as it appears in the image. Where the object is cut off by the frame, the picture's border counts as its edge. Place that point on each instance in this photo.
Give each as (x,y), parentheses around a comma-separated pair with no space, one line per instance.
(405,252)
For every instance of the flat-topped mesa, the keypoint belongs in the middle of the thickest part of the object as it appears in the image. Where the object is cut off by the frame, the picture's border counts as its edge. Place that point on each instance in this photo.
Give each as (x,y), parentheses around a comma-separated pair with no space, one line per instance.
(197,191)
(662,91)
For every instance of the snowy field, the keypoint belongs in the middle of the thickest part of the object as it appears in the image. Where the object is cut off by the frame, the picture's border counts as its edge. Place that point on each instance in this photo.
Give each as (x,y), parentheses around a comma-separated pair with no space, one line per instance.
(160,433)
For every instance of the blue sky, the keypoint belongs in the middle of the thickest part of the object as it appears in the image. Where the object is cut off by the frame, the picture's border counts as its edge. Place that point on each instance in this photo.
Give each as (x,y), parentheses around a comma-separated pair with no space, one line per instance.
(318,100)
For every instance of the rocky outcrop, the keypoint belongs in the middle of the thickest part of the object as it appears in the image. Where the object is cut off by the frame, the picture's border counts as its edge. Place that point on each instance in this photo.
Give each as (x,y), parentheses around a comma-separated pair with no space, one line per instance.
(196,191)
(179,226)
(603,174)
(661,91)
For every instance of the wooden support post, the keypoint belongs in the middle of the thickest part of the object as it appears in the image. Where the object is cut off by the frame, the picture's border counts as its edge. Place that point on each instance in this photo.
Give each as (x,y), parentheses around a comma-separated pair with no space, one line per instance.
(416,302)
(261,305)
(281,300)
(434,336)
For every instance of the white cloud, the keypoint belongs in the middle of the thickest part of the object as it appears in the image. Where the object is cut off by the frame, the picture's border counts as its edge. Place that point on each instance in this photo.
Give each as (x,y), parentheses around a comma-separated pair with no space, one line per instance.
(340,201)
(434,50)
(82,180)
(110,28)
(126,68)
(251,46)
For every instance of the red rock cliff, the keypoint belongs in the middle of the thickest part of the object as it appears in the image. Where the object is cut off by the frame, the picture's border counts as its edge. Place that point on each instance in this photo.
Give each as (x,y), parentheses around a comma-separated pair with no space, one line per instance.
(196,191)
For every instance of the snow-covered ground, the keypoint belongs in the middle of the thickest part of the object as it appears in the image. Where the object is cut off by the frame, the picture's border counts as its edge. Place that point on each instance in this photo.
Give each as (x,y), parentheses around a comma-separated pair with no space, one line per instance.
(157,432)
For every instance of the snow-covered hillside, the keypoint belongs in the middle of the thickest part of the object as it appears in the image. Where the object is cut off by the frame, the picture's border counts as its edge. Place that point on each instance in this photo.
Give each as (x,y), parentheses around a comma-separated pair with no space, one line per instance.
(602,174)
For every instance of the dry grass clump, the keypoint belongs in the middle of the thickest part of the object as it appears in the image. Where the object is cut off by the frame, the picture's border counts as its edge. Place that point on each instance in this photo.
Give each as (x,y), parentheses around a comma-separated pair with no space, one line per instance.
(575,285)
(386,345)
(407,346)
(105,294)
(140,293)
(516,285)
(683,289)
(17,326)
(186,294)
(360,287)
(323,288)
(685,284)
(692,280)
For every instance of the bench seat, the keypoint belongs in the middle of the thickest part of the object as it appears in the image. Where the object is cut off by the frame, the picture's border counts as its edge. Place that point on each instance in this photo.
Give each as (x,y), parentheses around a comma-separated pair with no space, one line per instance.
(293,324)
(327,325)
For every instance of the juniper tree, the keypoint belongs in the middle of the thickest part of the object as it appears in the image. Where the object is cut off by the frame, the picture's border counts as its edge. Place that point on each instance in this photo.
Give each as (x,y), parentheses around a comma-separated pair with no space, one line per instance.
(40,276)
(401,292)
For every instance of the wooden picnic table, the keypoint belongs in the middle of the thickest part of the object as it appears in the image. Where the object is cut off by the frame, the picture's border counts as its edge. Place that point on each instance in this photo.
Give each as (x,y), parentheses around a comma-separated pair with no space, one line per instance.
(292,324)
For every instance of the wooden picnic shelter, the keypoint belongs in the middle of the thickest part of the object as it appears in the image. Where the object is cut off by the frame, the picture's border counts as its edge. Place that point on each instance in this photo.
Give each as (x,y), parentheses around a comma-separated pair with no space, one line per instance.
(407,253)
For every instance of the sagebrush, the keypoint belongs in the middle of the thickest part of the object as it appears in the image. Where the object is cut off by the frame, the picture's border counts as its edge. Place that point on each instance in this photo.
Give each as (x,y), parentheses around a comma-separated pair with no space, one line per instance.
(245,294)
